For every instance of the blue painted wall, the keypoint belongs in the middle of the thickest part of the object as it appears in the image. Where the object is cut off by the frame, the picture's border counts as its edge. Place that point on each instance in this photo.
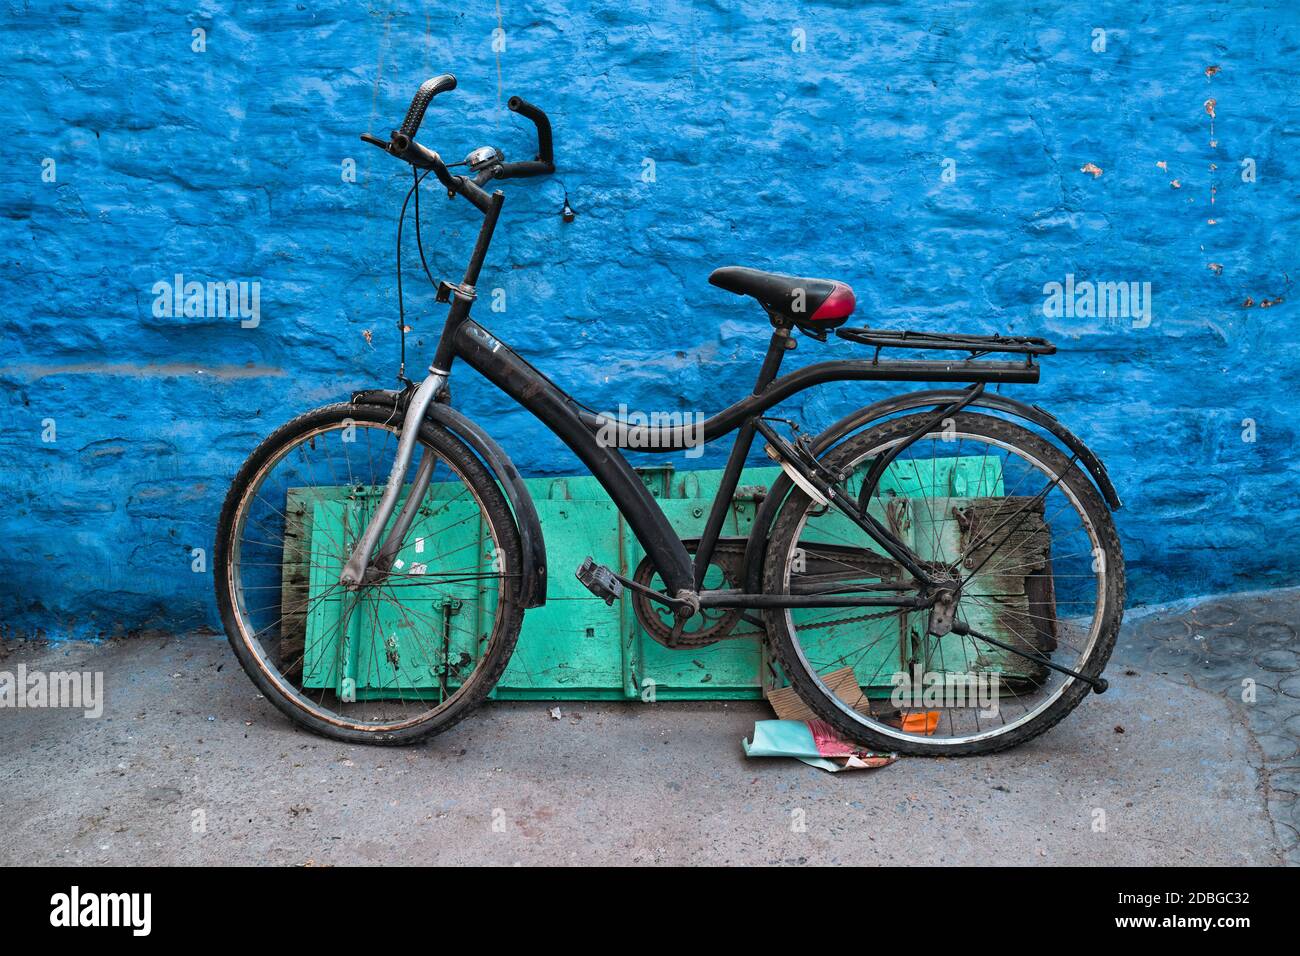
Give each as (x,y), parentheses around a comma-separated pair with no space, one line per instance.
(228,164)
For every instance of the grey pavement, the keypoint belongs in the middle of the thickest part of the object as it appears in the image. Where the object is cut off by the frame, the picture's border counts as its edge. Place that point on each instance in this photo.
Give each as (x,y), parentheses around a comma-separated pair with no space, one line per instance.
(189,765)
(1244,648)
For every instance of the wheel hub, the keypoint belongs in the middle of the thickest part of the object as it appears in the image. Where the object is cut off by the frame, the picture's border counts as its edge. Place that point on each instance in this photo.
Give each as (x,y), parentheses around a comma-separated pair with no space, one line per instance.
(945,593)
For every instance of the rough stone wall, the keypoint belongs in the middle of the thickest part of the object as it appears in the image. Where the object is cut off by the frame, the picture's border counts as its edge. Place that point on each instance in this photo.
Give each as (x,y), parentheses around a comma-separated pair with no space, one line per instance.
(949,160)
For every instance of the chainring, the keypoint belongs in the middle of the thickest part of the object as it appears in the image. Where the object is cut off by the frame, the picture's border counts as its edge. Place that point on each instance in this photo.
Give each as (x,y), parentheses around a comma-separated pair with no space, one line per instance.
(708,626)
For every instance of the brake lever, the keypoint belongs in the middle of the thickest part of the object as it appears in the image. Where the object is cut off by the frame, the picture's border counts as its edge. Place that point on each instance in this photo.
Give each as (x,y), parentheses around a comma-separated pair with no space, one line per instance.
(421,157)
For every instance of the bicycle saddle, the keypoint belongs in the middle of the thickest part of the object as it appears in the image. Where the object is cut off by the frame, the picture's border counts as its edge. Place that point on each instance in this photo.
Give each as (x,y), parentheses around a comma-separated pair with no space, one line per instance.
(816,304)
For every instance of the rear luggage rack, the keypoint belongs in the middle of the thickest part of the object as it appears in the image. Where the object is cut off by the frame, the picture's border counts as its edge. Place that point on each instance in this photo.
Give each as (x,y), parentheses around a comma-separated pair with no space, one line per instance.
(976,345)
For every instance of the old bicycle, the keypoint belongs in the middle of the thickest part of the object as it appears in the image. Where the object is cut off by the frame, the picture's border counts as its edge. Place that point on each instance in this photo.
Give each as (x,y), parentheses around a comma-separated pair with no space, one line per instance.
(375,558)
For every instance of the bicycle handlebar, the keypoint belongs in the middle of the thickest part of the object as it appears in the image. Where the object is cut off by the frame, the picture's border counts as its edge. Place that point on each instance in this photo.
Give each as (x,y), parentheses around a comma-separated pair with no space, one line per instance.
(545,159)
(420,102)
(402,144)
(421,157)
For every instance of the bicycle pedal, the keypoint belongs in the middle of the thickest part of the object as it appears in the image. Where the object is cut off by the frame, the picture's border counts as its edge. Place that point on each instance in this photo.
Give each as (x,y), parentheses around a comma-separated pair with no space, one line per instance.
(600,581)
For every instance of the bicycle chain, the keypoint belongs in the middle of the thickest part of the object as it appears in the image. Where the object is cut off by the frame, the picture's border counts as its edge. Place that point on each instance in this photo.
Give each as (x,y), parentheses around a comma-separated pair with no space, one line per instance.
(728,555)
(846,620)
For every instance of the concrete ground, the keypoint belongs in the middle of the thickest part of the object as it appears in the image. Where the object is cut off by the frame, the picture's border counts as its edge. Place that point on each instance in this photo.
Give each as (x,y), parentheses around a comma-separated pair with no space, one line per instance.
(188,765)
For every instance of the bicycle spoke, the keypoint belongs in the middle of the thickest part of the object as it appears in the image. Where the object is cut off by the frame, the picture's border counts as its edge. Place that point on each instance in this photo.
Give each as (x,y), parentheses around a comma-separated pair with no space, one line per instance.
(1019,554)
(381,654)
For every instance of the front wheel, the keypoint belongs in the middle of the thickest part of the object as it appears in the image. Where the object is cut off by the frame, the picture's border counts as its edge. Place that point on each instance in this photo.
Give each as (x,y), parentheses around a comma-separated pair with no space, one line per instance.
(414,649)
(1009,522)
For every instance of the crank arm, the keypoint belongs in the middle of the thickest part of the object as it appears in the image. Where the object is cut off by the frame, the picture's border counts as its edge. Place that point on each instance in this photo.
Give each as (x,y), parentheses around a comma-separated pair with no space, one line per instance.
(676,604)
(607,584)
(1098,684)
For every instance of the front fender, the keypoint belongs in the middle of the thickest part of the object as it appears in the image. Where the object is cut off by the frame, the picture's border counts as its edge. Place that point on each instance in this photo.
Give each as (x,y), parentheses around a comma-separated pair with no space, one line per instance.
(756,546)
(533,571)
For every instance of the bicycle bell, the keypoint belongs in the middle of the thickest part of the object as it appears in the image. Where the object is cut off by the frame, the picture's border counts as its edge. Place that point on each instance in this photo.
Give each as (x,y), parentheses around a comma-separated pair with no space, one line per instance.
(483,158)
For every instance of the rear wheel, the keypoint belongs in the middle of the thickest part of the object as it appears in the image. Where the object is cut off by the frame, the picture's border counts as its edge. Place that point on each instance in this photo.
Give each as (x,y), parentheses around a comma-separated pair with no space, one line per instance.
(414,650)
(996,510)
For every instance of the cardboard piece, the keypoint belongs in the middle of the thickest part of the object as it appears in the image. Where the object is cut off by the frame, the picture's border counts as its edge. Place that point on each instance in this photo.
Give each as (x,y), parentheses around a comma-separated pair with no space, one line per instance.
(787,705)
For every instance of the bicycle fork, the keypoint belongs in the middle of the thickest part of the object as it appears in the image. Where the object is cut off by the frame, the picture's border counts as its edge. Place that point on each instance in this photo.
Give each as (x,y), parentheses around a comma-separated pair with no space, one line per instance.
(355,571)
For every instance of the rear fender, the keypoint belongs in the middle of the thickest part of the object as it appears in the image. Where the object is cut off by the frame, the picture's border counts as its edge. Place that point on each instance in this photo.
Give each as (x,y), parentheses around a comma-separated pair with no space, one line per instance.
(756,546)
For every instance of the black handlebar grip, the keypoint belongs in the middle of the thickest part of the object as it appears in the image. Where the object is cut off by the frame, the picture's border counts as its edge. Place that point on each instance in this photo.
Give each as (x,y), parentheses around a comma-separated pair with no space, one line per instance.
(421,157)
(544,151)
(423,96)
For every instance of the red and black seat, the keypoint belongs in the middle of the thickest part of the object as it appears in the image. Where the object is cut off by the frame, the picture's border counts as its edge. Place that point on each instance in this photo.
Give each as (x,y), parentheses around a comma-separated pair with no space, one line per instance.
(815,305)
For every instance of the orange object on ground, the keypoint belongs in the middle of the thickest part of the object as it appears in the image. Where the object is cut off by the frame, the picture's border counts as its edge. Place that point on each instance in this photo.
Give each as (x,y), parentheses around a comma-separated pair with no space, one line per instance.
(923,723)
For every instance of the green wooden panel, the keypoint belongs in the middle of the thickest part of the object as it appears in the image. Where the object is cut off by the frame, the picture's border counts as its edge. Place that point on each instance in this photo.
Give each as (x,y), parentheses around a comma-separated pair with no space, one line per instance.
(572,646)
(576,647)
(406,637)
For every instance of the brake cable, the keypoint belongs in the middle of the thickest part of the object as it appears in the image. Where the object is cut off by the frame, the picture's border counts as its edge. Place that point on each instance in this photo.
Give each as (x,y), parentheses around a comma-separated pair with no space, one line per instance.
(419,243)
(401,308)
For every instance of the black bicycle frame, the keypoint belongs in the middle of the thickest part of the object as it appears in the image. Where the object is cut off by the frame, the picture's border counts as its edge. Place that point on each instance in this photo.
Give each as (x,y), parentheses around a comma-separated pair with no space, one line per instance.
(579,428)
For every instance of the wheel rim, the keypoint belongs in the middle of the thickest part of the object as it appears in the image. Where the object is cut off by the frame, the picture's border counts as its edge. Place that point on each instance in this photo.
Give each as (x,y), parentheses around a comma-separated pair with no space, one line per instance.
(378,659)
(1034,696)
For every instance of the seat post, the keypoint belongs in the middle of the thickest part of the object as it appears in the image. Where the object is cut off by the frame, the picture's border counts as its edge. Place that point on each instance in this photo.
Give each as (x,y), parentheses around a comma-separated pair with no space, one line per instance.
(776,349)
(779,344)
